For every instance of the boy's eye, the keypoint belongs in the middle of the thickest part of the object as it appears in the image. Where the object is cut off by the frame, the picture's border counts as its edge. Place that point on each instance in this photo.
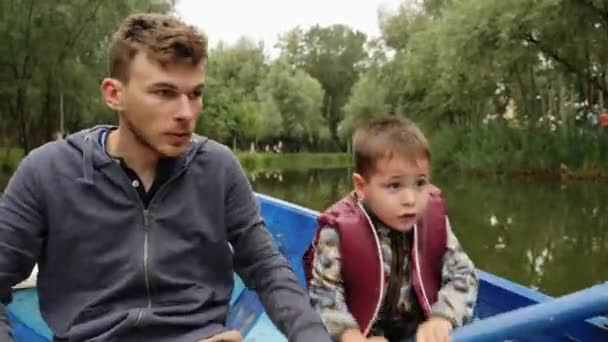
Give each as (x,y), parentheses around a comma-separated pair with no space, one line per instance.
(421,182)
(393,185)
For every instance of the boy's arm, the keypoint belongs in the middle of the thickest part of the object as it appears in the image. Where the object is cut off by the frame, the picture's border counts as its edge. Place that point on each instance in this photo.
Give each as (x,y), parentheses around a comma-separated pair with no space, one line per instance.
(326,290)
(458,294)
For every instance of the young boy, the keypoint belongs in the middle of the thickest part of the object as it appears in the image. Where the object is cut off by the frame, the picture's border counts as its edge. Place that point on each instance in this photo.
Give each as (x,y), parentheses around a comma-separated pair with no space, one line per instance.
(385,262)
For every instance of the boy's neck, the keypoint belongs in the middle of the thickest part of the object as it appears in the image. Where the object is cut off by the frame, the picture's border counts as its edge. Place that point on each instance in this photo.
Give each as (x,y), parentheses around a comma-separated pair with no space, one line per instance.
(378,223)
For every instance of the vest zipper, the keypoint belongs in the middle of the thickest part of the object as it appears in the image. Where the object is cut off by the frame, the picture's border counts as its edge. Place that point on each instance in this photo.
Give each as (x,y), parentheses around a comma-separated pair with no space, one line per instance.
(426,300)
(382,284)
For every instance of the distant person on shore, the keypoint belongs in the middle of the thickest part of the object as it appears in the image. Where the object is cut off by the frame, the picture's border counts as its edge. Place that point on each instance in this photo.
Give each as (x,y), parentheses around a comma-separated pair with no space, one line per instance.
(603,120)
(385,264)
(137,229)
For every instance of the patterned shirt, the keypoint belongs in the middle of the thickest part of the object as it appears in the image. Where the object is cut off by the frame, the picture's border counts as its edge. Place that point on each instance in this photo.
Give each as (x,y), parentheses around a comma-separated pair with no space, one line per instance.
(400,313)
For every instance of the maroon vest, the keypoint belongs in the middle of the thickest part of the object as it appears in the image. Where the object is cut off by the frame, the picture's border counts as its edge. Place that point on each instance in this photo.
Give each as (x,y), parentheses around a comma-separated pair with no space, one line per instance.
(362,269)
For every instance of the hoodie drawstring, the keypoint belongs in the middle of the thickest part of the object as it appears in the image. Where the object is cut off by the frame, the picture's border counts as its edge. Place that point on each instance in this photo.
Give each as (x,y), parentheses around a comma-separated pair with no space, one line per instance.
(87,161)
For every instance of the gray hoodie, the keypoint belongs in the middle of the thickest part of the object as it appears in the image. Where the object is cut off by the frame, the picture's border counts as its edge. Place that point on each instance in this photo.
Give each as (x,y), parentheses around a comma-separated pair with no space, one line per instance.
(112,270)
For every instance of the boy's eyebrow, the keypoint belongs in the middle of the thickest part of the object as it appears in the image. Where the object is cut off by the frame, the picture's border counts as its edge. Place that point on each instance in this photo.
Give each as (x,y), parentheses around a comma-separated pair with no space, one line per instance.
(399,177)
(396,178)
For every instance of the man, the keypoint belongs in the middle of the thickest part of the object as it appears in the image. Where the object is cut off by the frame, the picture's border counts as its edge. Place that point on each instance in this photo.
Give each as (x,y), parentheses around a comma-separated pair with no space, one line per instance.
(137,229)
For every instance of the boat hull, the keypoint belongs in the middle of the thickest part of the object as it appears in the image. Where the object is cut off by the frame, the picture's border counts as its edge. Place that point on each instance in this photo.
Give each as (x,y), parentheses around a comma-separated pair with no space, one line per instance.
(292,228)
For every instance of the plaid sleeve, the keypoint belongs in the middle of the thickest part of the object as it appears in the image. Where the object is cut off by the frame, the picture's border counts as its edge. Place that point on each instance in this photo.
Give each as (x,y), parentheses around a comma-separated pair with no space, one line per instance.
(458,294)
(326,289)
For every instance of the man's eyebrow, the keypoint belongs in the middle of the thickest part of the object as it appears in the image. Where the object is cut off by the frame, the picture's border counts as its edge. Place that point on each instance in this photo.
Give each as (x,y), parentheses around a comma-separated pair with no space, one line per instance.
(199,86)
(163,85)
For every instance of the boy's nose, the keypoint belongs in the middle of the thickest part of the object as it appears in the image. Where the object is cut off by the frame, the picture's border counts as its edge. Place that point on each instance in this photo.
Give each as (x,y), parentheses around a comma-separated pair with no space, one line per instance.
(408,197)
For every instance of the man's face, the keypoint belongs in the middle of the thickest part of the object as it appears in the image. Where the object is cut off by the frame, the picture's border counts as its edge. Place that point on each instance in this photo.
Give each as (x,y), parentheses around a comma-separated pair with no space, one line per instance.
(160,105)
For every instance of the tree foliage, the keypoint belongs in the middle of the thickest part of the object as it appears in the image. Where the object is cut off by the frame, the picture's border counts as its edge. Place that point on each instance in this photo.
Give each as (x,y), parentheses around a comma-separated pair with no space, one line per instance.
(440,62)
(53,57)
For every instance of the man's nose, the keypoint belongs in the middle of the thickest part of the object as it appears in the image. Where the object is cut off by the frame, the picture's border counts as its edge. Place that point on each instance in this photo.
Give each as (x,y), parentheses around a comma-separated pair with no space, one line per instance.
(185,110)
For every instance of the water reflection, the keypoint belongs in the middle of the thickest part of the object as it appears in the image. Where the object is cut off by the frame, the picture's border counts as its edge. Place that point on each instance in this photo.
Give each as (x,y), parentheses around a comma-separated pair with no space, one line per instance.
(549,236)
(543,235)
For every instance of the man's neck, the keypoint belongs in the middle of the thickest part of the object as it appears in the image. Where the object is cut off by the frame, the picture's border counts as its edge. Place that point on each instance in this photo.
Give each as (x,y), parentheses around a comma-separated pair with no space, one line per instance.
(141,159)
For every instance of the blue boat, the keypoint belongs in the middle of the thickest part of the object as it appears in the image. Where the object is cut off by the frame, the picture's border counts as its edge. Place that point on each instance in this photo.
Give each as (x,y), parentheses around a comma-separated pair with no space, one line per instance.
(505,309)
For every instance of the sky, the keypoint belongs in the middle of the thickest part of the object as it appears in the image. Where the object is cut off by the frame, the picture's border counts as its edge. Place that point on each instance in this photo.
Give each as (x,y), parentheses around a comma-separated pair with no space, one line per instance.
(228,20)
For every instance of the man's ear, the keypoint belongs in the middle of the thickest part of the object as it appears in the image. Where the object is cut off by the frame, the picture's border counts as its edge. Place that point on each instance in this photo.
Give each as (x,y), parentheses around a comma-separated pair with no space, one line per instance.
(112,91)
(359,185)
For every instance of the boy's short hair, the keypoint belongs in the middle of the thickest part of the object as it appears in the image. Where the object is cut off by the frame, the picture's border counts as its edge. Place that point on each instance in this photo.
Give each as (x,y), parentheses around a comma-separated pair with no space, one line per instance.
(387,137)
(163,38)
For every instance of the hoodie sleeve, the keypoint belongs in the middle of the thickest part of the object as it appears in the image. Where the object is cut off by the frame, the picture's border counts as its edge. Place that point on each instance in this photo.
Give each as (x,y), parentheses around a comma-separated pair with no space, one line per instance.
(5,328)
(458,294)
(263,268)
(21,233)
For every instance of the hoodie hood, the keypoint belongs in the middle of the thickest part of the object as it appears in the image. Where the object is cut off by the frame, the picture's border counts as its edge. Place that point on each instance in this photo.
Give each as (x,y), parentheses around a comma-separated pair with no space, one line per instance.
(94,157)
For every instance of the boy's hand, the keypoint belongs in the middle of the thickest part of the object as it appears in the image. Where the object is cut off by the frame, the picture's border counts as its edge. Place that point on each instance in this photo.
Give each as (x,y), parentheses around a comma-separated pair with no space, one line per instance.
(354,335)
(436,329)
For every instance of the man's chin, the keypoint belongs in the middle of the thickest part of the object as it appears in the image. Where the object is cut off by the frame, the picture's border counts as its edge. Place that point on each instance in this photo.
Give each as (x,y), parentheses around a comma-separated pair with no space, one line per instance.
(171,151)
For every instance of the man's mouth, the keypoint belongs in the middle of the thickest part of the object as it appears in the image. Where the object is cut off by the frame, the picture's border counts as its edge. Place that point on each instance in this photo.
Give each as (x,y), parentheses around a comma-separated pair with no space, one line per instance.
(179,138)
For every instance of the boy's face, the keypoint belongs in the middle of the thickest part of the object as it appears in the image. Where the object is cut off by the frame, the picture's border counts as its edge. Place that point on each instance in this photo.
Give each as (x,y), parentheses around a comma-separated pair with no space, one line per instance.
(397,191)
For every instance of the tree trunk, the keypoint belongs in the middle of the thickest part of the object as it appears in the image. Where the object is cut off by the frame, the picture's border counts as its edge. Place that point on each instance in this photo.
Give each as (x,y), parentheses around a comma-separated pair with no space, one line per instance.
(560,102)
(534,91)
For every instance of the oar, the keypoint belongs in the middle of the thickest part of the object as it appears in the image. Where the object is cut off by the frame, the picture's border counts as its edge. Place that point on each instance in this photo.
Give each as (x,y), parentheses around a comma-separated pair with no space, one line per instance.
(580,305)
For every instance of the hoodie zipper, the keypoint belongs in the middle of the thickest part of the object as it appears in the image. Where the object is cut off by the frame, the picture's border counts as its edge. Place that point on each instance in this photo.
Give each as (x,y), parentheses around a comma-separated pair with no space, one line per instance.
(146,256)
(146,217)
(140,314)
(146,247)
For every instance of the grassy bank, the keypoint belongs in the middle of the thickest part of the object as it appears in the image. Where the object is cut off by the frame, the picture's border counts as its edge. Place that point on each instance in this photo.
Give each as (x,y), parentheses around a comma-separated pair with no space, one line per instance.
(9,159)
(501,150)
(493,149)
(261,162)
(252,162)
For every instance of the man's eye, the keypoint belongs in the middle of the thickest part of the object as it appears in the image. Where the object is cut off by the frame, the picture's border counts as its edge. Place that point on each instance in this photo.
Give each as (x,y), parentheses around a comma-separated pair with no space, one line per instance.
(165,93)
(195,95)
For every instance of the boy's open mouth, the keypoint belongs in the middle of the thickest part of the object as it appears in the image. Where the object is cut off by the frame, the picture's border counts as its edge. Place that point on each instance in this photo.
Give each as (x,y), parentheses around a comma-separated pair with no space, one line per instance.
(407,216)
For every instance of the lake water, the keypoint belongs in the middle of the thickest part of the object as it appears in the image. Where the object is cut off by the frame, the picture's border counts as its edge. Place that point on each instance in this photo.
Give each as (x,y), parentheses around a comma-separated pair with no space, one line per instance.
(547,235)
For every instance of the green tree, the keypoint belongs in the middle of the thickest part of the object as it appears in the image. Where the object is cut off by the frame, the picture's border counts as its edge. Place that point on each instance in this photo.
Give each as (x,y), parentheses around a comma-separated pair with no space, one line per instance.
(53,57)
(230,108)
(334,56)
(296,98)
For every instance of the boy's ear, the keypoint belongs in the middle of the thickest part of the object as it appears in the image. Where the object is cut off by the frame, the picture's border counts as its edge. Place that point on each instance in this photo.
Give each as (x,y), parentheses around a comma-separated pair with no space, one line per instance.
(359,185)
